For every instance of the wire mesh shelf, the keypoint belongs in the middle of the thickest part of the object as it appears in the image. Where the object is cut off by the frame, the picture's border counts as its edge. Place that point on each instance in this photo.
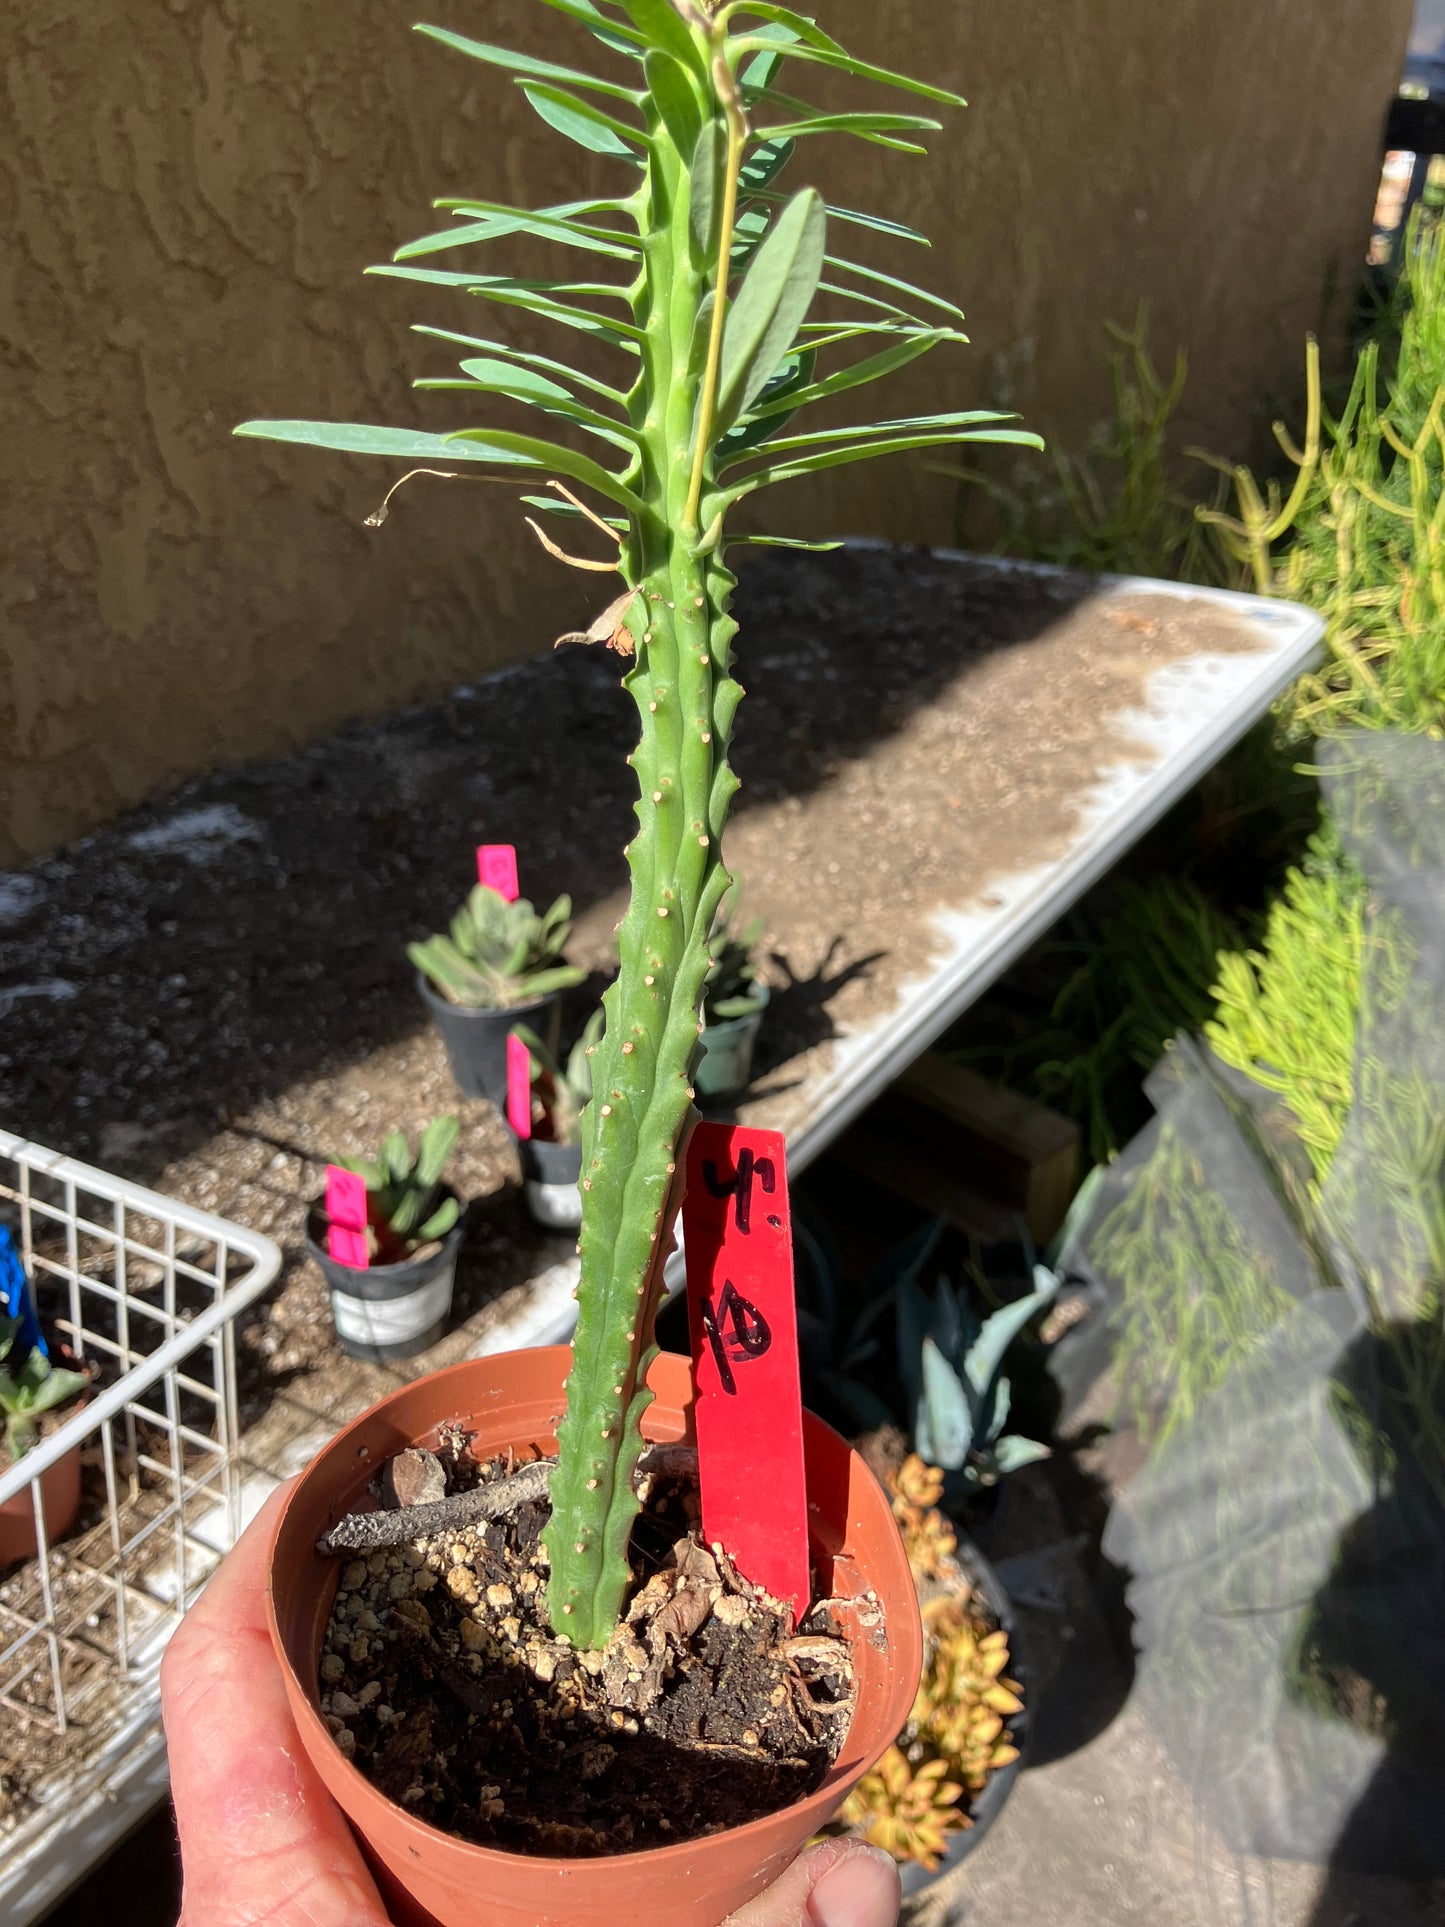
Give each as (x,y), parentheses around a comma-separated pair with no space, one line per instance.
(145,1292)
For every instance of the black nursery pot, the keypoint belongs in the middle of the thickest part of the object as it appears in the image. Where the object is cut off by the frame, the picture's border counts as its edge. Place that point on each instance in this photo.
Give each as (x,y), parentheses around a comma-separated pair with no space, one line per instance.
(476,1040)
(551,1177)
(388,1311)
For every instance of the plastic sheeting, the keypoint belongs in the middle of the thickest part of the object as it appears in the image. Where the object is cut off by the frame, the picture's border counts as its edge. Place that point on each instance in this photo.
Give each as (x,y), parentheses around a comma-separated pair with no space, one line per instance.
(1280,1339)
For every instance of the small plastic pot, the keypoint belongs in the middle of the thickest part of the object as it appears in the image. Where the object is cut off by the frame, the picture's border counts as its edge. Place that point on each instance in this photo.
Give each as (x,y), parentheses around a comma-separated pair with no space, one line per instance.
(725,1061)
(388,1311)
(989,1804)
(551,1183)
(432,1879)
(476,1040)
(60,1499)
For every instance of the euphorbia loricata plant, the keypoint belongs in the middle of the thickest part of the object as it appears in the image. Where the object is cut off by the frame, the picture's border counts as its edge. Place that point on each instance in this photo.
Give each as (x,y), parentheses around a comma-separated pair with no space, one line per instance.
(729,307)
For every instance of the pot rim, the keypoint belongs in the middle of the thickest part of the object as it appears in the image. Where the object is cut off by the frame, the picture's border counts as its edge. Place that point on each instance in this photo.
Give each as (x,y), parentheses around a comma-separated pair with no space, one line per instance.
(902,1638)
(509,1011)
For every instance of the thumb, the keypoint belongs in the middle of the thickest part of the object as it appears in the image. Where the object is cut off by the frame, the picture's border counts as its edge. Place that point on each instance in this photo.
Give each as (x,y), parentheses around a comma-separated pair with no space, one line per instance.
(840,1883)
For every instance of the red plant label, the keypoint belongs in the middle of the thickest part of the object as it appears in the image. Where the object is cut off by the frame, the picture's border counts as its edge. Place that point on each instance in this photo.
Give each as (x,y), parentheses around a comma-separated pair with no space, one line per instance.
(737,1236)
(346,1218)
(497,868)
(519,1085)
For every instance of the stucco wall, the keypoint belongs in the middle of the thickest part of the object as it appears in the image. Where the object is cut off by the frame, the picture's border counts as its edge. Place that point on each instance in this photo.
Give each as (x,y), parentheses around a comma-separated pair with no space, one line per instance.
(190,188)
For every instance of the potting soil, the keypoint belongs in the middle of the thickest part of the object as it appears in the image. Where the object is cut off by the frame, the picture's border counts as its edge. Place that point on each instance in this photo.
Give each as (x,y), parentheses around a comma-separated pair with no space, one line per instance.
(442,1679)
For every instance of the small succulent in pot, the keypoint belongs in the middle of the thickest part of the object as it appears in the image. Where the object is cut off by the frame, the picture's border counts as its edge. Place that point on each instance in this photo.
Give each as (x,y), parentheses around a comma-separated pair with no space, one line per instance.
(29,1388)
(928,1789)
(733,1003)
(561,1094)
(951,1363)
(499,955)
(407,1206)
(552,1155)
(401,1303)
(731,988)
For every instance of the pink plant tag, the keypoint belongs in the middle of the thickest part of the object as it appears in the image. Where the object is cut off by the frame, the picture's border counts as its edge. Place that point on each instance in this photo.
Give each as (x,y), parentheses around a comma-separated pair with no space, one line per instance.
(346,1218)
(497,868)
(519,1086)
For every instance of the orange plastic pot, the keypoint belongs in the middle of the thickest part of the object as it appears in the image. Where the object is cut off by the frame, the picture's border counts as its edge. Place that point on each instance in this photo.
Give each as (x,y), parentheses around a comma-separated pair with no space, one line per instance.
(431,1879)
(60,1500)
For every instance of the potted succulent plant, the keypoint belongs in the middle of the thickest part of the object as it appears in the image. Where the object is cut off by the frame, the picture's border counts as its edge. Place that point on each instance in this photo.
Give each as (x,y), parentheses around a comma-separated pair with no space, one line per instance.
(954,1394)
(940,1786)
(733,1002)
(710,317)
(34,1393)
(497,962)
(400,1303)
(552,1155)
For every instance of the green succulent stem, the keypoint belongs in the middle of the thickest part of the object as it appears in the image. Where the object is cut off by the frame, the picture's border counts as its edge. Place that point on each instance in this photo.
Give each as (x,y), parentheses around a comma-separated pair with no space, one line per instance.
(642,1070)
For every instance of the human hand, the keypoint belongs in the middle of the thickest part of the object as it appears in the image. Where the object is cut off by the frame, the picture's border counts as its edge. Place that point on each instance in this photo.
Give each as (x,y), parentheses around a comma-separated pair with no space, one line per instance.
(263,1844)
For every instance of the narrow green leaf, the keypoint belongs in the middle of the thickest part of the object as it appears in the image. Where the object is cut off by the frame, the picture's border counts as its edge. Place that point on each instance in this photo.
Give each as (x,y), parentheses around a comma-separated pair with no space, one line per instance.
(402,1215)
(870,451)
(877,128)
(676,100)
(892,281)
(525,357)
(437,1143)
(567,512)
(760,72)
(786,542)
(1013,1453)
(441,1221)
(498,222)
(356,438)
(664,27)
(895,229)
(566,461)
(944,1427)
(705,176)
(524,386)
(986,1354)
(523,294)
(396,1156)
(773,410)
(611,33)
(583,123)
(906,425)
(860,373)
(876,302)
(771,304)
(836,58)
(762,166)
(528,65)
(806,30)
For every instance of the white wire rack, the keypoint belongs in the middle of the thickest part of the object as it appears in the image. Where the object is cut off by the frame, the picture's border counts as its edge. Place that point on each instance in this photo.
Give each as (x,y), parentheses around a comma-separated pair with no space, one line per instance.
(146,1292)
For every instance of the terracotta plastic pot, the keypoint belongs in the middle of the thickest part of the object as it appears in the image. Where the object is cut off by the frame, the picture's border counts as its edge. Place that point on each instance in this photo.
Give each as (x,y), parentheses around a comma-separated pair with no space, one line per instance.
(476,1040)
(60,1497)
(431,1879)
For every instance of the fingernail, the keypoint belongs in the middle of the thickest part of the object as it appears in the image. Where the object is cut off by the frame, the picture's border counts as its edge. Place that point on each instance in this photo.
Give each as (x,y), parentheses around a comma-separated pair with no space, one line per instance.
(860,1890)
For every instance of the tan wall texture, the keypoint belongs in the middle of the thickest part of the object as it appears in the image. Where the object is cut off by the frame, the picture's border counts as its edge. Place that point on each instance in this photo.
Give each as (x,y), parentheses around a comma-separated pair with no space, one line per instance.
(190,188)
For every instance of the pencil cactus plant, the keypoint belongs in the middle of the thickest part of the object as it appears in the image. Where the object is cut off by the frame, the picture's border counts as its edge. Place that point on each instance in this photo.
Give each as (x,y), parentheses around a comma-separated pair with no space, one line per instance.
(703,289)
